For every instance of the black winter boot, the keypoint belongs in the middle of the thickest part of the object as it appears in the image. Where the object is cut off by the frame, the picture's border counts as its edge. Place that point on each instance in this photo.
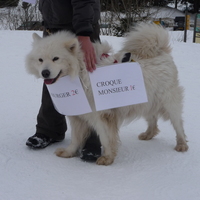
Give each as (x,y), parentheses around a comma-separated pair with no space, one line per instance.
(40,141)
(92,149)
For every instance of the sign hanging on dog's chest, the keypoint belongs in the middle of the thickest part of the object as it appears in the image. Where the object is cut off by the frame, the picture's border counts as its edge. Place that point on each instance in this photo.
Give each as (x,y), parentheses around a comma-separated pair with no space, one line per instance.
(68,96)
(118,85)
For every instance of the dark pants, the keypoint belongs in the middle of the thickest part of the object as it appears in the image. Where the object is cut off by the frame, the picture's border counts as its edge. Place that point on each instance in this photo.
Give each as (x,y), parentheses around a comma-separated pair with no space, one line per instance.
(49,121)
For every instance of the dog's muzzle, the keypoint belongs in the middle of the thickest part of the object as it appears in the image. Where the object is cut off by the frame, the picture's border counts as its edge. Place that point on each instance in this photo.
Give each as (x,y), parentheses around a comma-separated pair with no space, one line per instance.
(46,73)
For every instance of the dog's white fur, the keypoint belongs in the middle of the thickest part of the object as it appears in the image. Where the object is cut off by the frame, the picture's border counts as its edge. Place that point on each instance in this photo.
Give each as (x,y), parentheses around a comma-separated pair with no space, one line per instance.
(149,46)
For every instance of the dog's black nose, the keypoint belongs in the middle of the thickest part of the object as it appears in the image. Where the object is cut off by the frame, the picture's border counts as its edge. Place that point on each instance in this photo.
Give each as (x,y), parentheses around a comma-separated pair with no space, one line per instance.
(46,73)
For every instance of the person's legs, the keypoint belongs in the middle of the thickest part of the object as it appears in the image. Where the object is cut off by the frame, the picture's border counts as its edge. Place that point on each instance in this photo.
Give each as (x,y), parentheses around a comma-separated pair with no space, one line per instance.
(49,121)
(51,125)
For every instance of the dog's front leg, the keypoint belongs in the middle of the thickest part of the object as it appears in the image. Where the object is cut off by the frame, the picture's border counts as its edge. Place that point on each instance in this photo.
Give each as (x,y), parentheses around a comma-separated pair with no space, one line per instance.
(79,132)
(108,133)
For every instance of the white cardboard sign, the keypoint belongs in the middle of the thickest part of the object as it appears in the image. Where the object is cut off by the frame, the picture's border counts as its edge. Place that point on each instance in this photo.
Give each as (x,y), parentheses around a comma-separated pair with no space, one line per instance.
(69,97)
(118,85)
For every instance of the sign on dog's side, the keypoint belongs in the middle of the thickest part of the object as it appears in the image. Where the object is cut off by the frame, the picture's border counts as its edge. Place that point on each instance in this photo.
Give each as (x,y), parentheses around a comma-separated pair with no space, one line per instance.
(113,86)
(118,85)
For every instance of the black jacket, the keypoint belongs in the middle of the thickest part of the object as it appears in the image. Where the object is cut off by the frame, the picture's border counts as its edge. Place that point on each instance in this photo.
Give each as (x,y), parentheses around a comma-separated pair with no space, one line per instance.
(78,16)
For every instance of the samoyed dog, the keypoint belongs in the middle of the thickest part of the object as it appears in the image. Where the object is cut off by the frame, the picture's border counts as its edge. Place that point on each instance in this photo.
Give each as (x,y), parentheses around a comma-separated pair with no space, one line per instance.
(60,54)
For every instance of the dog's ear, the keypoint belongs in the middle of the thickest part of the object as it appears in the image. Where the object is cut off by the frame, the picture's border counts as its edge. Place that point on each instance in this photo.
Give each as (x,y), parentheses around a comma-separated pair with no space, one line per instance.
(72,46)
(36,37)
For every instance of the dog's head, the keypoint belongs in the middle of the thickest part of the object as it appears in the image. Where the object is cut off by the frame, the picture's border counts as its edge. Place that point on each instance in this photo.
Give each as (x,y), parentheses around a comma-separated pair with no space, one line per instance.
(54,56)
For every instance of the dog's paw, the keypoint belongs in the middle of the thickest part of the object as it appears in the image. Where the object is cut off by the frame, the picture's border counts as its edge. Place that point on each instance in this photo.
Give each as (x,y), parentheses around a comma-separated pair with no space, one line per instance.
(181,147)
(62,152)
(104,160)
(146,136)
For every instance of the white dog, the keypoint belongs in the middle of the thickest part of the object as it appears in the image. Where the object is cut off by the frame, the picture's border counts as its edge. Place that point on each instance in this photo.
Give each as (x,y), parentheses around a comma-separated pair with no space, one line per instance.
(60,55)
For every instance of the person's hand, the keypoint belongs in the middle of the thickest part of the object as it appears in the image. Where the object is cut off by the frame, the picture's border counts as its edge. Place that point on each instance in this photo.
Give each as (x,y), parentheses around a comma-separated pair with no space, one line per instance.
(89,53)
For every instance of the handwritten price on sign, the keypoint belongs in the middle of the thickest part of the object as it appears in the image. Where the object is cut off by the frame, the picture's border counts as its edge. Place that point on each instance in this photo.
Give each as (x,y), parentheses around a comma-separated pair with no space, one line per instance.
(132,87)
(74,92)
(65,94)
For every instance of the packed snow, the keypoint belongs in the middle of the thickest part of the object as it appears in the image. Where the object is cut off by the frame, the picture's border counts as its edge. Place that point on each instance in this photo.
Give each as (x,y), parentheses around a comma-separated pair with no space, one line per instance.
(142,170)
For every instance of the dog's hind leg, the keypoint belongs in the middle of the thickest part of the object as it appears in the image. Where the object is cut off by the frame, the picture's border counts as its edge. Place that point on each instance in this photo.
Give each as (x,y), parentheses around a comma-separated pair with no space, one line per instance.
(174,109)
(177,123)
(107,127)
(152,129)
(79,133)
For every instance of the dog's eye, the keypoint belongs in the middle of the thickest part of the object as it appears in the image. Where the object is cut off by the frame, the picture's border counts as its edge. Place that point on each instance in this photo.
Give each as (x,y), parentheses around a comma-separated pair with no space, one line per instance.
(40,59)
(55,58)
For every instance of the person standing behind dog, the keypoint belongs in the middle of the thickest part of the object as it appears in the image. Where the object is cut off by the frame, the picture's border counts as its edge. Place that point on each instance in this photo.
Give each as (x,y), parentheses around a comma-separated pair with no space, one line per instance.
(80,17)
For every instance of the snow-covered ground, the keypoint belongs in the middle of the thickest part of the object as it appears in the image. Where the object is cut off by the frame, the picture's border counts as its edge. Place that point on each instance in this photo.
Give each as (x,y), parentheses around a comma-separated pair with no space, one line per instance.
(143,170)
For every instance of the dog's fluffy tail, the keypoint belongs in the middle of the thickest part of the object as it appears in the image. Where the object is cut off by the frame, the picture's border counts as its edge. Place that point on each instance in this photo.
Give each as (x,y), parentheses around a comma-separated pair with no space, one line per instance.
(147,41)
